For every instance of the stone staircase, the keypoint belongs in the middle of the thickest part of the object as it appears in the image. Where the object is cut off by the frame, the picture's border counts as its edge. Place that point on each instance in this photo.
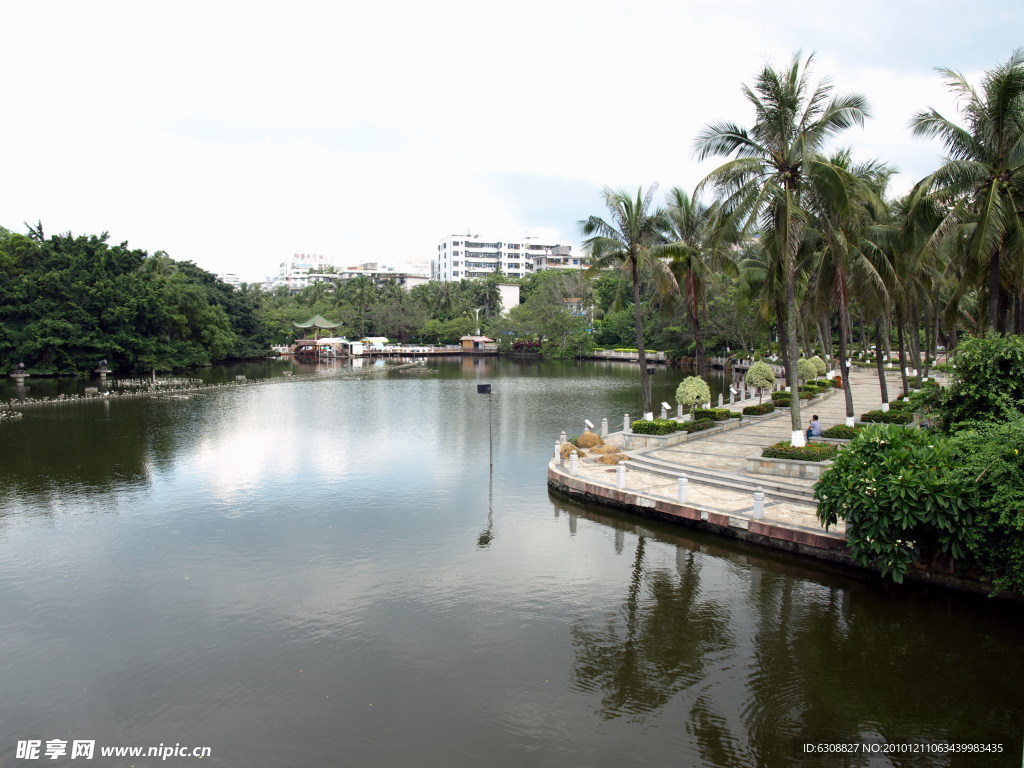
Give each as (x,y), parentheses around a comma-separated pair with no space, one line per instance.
(774,487)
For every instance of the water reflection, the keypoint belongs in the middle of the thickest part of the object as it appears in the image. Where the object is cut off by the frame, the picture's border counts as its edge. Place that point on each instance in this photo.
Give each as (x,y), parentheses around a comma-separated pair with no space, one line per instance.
(768,653)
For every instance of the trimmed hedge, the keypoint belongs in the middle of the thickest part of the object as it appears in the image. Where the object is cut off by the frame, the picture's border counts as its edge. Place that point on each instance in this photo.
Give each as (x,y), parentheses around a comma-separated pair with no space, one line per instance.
(900,405)
(809,452)
(759,410)
(697,426)
(898,416)
(714,414)
(841,432)
(809,389)
(656,427)
(735,415)
(822,383)
(776,396)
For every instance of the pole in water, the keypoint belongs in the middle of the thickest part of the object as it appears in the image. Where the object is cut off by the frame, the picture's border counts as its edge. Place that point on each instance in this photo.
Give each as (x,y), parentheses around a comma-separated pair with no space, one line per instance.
(485,389)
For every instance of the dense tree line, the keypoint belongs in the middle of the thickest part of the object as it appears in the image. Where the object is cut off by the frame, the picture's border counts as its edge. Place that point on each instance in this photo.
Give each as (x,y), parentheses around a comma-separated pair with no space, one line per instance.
(67,302)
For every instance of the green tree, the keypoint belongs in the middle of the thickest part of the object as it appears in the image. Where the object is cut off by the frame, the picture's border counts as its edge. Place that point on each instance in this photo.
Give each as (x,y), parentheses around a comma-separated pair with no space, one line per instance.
(760,375)
(699,249)
(692,392)
(776,162)
(627,243)
(982,181)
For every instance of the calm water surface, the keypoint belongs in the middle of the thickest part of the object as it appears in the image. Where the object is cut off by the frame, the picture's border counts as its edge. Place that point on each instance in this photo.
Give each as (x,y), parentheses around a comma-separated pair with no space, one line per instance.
(322,572)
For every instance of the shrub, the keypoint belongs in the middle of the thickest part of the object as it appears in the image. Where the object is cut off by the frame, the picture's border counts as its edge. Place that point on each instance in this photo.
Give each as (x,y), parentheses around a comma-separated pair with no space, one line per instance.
(589,440)
(900,405)
(655,427)
(714,414)
(692,392)
(758,410)
(901,497)
(987,383)
(760,375)
(777,396)
(805,370)
(735,415)
(991,457)
(822,383)
(809,452)
(896,416)
(841,432)
(567,449)
(603,450)
(612,458)
(820,369)
(697,426)
(808,389)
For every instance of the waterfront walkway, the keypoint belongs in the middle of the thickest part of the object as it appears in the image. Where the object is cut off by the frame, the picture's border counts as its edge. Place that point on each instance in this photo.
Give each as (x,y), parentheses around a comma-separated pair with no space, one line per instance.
(720,490)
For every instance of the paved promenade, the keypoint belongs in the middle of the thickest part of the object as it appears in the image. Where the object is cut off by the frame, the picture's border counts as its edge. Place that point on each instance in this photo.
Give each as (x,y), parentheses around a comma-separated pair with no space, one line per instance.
(720,489)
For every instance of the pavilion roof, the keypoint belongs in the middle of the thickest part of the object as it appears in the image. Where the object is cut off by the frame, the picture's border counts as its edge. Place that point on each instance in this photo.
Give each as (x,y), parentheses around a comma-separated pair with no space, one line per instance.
(316,321)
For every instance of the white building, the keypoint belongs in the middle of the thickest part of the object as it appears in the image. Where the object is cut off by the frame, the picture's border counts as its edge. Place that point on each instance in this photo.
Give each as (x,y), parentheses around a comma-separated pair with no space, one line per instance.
(294,273)
(230,278)
(470,256)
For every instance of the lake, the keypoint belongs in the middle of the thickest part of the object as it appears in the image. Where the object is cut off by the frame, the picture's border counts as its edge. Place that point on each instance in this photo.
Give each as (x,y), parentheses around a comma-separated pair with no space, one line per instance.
(323,571)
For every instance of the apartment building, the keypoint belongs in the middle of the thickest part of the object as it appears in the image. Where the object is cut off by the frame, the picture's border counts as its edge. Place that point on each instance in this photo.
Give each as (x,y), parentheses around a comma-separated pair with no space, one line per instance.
(462,257)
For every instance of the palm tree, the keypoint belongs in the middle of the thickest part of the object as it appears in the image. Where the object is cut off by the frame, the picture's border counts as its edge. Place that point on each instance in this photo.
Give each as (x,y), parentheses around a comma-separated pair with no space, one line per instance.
(699,249)
(982,180)
(627,242)
(775,163)
(850,266)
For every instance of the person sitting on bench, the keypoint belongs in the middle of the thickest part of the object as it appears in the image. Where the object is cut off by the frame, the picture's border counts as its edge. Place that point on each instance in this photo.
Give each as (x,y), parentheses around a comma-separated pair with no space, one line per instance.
(814,430)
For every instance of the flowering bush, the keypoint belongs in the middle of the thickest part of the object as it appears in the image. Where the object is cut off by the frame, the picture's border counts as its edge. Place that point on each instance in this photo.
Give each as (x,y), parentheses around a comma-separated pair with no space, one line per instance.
(901,496)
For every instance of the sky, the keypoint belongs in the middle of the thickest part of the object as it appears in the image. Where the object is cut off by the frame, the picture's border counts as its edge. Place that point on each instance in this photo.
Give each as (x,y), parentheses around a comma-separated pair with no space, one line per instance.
(236,134)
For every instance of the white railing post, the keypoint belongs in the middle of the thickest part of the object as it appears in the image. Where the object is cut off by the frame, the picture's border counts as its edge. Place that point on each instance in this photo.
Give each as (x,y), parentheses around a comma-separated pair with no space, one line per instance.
(758,503)
(620,475)
(682,491)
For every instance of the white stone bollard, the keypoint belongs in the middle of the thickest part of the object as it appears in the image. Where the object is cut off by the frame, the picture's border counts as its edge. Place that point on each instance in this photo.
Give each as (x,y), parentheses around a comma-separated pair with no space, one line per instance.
(679,411)
(620,475)
(625,423)
(604,427)
(682,489)
(573,463)
(558,451)
(758,503)
(561,437)
(721,400)
(664,414)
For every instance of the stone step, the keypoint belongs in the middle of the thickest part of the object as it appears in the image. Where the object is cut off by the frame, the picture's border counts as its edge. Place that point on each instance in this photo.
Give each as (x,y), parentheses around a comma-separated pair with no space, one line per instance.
(772,486)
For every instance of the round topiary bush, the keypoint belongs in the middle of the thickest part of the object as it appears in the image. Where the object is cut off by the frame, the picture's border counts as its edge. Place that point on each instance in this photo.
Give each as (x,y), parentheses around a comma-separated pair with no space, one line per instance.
(805,369)
(760,375)
(693,391)
(820,369)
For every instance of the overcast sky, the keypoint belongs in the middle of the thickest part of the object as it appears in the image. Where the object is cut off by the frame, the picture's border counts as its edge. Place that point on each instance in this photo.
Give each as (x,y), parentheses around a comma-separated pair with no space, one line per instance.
(235,134)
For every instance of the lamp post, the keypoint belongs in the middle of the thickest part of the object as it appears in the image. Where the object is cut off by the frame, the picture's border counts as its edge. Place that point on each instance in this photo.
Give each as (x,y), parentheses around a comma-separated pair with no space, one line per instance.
(477,312)
(485,389)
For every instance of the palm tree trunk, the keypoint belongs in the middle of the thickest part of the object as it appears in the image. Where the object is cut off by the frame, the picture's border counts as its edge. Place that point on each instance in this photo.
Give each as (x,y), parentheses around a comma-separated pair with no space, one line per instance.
(698,339)
(638,319)
(798,437)
(882,385)
(847,390)
(993,291)
(903,355)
